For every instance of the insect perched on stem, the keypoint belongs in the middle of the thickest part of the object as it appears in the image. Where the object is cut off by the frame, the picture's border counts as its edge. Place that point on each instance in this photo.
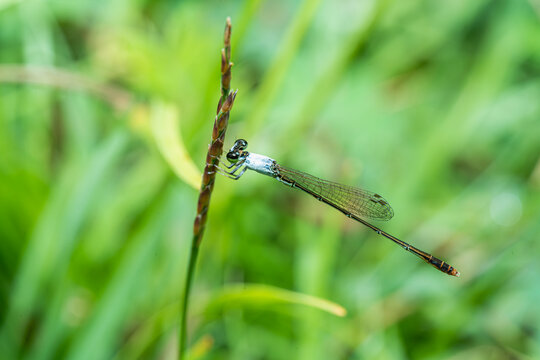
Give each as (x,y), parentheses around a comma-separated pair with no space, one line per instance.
(353,202)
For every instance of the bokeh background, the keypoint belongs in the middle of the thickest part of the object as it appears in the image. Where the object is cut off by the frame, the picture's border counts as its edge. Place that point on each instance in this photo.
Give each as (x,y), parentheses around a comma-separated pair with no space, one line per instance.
(106,110)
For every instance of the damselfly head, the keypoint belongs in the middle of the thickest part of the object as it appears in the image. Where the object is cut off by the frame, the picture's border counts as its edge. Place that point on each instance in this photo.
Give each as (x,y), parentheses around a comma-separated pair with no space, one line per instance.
(237,151)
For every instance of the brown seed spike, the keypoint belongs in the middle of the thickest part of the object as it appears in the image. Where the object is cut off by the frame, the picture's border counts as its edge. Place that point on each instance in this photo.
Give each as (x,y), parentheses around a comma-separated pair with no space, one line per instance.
(224,64)
(215,149)
(227,105)
(227,34)
(227,38)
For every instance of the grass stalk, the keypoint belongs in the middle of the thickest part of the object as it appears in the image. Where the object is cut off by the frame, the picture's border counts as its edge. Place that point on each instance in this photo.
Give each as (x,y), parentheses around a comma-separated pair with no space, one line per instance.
(215,150)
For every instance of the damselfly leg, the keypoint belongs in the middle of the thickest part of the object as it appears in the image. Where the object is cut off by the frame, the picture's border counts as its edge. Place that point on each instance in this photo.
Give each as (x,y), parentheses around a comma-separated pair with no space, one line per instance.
(231,174)
(218,158)
(237,176)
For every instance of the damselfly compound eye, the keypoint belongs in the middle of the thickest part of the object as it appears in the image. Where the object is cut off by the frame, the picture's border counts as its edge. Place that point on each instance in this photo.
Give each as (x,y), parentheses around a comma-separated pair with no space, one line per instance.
(233,155)
(241,144)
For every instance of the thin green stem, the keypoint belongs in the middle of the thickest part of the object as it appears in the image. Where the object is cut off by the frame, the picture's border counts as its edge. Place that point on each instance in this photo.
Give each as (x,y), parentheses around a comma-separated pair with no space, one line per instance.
(185,298)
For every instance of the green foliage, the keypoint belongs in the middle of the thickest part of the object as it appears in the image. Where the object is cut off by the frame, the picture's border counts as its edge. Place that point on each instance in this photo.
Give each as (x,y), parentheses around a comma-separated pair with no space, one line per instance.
(435,105)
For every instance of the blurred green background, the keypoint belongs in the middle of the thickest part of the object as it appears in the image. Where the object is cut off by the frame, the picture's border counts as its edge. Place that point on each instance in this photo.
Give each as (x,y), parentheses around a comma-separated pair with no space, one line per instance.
(106,110)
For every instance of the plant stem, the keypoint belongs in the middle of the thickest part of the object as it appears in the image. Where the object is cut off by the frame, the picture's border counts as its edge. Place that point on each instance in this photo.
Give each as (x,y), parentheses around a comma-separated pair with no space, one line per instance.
(67,80)
(185,300)
(215,150)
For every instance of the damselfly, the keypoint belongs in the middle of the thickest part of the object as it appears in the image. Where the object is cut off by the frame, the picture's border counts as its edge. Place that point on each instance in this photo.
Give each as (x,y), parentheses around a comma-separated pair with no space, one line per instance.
(353,202)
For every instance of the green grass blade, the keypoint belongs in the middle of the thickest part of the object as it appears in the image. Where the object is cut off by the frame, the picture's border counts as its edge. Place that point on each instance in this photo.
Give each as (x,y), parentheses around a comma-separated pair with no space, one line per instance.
(275,74)
(52,243)
(166,132)
(261,296)
(97,340)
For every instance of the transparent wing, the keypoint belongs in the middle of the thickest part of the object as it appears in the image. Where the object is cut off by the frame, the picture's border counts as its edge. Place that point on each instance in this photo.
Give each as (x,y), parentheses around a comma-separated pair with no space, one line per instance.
(361,203)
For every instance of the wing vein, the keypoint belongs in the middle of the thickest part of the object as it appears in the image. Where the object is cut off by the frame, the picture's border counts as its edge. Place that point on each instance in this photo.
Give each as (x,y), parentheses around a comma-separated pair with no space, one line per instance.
(359,202)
